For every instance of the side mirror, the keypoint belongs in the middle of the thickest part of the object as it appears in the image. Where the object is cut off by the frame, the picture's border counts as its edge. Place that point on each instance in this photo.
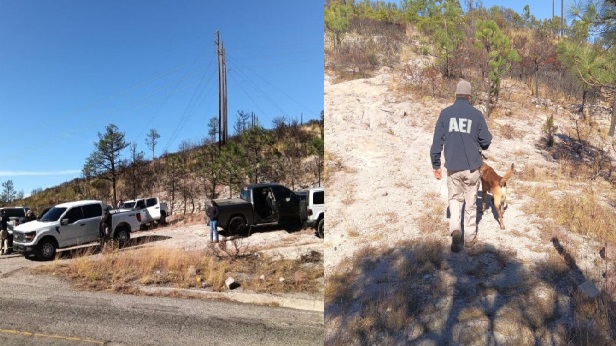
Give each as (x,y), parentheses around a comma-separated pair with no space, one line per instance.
(64,222)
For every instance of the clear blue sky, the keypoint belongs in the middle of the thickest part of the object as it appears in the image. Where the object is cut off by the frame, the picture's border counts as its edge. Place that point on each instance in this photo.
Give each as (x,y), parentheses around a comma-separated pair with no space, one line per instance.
(541,9)
(68,68)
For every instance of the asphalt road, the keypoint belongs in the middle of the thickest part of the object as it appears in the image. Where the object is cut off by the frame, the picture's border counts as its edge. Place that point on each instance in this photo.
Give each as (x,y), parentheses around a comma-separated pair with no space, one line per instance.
(43,310)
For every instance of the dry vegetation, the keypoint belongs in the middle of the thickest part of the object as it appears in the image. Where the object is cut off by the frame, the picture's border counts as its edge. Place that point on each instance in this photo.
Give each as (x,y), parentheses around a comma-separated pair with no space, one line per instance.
(432,218)
(126,271)
(413,292)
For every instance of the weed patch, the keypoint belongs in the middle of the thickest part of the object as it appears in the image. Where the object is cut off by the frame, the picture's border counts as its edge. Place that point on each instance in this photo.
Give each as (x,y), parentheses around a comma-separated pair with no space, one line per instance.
(121,271)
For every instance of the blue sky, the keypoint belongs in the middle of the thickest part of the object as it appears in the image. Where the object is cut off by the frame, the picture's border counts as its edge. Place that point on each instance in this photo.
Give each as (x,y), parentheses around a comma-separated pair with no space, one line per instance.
(541,9)
(69,68)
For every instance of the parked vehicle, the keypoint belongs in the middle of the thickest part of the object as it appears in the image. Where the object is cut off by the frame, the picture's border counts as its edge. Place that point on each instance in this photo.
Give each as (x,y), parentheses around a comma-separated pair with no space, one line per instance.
(70,224)
(316,210)
(43,212)
(258,204)
(17,216)
(154,210)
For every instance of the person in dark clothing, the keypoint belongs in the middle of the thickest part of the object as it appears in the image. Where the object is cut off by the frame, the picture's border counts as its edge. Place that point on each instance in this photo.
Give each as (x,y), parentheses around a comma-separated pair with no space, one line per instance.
(4,233)
(463,132)
(213,216)
(105,226)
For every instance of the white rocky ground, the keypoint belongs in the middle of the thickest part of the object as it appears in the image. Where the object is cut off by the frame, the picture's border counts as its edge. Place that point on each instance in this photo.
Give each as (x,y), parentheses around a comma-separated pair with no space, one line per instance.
(278,244)
(380,186)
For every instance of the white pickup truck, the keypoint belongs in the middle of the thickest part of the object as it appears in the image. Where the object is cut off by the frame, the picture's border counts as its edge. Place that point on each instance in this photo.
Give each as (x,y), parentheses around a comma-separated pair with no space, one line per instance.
(316,210)
(70,224)
(153,210)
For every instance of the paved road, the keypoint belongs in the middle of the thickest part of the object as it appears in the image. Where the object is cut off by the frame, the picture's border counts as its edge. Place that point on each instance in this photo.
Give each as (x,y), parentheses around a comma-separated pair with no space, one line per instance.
(43,310)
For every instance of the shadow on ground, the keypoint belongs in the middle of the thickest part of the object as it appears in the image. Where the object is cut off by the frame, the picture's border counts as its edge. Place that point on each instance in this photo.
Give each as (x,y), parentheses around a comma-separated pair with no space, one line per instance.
(581,154)
(419,293)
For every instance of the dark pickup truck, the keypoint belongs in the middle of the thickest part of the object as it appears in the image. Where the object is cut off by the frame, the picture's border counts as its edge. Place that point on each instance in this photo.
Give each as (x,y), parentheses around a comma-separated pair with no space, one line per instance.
(259,204)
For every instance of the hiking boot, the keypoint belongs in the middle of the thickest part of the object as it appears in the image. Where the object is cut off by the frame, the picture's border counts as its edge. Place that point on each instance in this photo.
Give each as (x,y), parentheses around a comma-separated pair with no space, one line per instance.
(456,241)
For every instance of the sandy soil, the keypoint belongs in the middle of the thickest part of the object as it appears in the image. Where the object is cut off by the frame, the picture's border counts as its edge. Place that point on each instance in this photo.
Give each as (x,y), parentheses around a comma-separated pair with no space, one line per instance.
(381,175)
(392,277)
(193,234)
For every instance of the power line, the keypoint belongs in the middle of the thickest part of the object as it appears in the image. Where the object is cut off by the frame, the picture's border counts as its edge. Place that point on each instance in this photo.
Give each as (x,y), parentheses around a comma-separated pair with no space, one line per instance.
(275,87)
(189,110)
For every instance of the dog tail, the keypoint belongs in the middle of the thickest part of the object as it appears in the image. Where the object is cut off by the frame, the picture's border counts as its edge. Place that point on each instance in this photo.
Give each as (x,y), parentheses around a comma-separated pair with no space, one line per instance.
(504,179)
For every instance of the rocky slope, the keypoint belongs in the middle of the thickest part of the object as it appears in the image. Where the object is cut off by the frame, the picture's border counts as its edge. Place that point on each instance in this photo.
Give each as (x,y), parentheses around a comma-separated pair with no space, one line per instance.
(392,278)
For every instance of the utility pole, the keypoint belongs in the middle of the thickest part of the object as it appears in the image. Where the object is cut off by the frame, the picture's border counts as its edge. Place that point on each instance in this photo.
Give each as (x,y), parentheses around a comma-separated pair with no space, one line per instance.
(562,18)
(222,93)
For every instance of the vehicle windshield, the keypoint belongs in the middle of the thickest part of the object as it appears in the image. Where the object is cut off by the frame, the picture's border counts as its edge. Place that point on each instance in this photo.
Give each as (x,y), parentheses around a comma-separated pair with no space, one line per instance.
(53,214)
(245,194)
(128,205)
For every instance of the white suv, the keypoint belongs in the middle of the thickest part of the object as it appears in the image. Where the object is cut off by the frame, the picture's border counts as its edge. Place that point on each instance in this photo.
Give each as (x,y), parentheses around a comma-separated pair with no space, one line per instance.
(316,210)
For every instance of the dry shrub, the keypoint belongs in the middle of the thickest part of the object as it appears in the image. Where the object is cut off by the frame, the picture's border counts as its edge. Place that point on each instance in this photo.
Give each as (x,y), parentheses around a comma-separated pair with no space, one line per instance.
(581,212)
(594,320)
(370,44)
(507,131)
(125,270)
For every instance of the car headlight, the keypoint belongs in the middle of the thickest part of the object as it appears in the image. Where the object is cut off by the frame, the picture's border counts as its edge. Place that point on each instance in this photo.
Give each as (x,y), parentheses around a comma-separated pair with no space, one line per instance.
(29,236)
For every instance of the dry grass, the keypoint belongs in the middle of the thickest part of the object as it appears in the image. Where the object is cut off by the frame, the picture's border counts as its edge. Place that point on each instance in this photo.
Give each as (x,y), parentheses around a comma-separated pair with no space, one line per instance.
(581,212)
(381,289)
(124,271)
(433,218)
(391,217)
(414,290)
(508,131)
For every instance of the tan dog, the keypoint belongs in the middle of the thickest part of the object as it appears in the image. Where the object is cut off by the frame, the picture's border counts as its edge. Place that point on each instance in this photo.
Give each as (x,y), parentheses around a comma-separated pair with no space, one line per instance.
(497,186)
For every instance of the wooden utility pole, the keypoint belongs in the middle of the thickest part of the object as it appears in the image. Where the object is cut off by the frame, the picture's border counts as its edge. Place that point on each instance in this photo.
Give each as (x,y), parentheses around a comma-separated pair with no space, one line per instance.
(222,93)
(562,18)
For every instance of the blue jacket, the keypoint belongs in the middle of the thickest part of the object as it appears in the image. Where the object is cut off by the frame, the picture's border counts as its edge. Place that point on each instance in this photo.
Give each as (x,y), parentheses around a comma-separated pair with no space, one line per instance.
(462,129)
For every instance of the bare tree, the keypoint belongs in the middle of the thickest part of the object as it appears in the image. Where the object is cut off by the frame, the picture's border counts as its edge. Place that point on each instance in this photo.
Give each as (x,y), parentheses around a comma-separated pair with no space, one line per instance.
(151,140)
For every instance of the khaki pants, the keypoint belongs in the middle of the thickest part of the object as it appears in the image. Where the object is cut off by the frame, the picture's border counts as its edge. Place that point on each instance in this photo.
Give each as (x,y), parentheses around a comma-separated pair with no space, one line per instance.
(4,241)
(463,187)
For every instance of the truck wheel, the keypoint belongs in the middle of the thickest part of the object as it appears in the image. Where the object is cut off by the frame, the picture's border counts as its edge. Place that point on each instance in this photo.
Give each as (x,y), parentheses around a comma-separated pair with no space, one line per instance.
(237,225)
(163,218)
(122,236)
(46,250)
(320,228)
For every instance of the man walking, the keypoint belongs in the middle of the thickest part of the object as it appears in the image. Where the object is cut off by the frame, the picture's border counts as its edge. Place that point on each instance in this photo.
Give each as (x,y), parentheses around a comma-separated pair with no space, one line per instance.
(463,131)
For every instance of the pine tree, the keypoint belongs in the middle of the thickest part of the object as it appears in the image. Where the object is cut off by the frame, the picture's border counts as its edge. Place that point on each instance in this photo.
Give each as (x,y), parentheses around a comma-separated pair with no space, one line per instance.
(499,56)
(105,160)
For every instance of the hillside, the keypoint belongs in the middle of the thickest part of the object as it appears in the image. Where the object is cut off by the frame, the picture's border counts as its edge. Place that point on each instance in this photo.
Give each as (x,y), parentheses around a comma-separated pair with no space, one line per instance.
(291,154)
(391,279)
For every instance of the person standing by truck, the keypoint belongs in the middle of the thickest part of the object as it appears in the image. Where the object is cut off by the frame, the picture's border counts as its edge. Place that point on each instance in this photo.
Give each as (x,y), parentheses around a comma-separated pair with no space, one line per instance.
(4,233)
(105,225)
(30,216)
(212,214)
